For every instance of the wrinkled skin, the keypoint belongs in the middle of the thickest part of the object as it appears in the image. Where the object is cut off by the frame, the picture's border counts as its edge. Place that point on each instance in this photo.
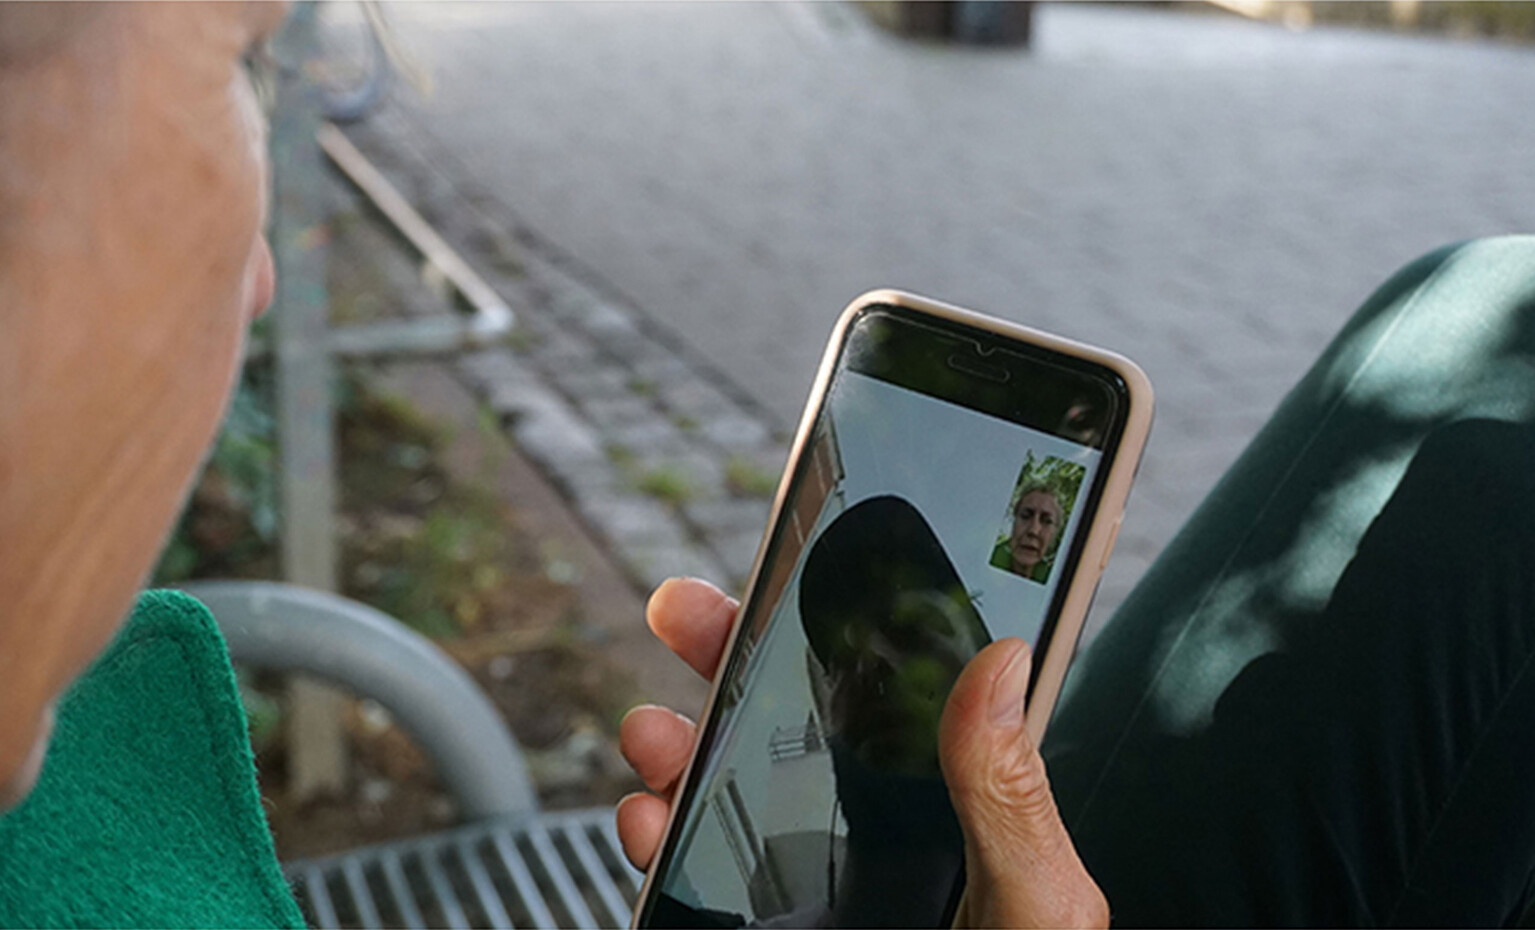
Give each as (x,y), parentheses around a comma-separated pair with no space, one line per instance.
(132,193)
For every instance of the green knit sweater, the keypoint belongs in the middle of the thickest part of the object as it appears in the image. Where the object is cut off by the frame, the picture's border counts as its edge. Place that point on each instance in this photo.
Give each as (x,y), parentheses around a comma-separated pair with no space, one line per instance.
(147,812)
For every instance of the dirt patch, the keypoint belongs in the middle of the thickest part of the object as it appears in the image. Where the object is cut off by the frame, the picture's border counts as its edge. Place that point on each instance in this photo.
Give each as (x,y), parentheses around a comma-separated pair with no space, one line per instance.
(449,557)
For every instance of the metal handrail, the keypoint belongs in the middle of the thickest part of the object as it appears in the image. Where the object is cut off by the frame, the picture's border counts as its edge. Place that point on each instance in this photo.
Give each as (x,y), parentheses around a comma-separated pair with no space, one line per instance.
(289,628)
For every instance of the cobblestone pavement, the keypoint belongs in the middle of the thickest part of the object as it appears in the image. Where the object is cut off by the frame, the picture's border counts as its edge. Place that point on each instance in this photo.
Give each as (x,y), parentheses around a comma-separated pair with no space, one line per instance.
(1208,195)
(652,446)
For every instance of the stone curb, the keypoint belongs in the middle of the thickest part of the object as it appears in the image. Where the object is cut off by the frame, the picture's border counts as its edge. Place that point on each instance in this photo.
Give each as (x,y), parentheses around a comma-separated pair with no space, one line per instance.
(667,461)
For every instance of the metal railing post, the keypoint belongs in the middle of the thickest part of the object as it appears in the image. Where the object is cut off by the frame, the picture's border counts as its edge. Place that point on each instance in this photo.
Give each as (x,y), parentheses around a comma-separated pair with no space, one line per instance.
(305,417)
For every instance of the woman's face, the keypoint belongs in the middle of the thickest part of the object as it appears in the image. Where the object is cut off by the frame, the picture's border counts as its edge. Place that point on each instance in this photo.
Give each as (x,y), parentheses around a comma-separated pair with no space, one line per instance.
(1036,521)
(132,198)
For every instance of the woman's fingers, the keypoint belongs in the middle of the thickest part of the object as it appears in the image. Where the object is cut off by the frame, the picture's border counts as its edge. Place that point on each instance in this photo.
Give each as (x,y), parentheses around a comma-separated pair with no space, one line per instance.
(693,619)
(641,819)
(658,743)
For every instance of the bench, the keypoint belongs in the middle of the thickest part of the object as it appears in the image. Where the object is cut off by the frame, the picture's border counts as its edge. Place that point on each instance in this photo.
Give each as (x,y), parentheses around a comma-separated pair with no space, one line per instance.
(513,864)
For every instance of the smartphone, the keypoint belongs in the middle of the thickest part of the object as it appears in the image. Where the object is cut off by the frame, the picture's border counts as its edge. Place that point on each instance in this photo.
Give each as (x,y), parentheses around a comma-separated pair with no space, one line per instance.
(955,479)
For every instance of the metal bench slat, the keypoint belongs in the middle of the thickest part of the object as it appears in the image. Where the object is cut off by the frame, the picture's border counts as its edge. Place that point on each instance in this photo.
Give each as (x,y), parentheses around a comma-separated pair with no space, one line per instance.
(484,888)
(570,895)
(544,859)
(362,897)
(399,889)
(522,879)
(611,850)
(618,908)
(442,889)
(609,828)
(319,898)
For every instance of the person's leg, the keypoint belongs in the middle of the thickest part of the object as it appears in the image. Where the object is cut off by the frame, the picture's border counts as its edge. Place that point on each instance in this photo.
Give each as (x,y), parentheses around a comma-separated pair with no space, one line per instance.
(1418,708)
(1374,770)
(1150,785)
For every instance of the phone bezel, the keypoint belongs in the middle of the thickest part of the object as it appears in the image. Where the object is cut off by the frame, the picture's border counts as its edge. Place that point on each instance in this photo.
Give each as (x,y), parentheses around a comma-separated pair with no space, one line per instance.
(1058,636)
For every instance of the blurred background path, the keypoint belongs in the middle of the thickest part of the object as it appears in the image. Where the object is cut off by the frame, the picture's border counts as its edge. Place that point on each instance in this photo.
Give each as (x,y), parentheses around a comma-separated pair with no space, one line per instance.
(1208,195)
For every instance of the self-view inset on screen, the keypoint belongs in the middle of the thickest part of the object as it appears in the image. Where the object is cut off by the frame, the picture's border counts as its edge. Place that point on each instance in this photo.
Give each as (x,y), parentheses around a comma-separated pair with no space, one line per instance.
(1041,503)
(821,802)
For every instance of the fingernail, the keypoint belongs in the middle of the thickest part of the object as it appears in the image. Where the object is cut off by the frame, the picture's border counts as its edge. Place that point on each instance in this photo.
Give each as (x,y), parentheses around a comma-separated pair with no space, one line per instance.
(1008,690)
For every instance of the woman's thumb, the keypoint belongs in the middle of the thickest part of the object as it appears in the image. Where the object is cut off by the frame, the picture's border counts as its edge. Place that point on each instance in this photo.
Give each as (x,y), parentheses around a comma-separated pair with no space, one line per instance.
(1022,868)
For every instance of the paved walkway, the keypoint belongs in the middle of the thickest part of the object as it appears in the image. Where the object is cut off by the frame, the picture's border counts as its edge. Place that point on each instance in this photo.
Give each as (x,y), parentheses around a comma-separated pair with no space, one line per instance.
(1208,195)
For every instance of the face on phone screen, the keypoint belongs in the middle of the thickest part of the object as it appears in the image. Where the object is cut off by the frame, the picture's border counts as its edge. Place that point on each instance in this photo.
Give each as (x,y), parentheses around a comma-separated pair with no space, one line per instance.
(936,507)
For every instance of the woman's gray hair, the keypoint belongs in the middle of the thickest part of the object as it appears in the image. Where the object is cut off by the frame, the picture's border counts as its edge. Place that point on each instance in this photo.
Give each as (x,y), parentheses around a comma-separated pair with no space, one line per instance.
(1032,487)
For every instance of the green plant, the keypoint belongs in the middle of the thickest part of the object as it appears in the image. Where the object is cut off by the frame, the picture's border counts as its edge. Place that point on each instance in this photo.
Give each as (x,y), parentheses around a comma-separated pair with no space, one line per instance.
(620,455)
(493,442)
(666,483)
(522,340)
(744,478)
(263,714)
(414,543)
(231,518)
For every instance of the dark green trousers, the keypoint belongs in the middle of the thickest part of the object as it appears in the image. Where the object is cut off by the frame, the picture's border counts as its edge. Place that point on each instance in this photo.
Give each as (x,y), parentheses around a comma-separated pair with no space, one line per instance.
(1316,708)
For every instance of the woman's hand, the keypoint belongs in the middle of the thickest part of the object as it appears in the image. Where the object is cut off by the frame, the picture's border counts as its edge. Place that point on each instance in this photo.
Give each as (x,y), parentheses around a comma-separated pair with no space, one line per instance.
(693,619)
(1023,869)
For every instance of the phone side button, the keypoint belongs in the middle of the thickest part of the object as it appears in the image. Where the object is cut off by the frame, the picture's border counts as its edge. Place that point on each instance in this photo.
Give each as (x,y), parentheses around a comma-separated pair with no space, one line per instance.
(1108,549)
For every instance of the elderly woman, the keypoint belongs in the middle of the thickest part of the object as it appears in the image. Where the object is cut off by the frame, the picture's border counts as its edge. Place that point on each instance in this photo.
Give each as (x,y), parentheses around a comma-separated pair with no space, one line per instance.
(132,191)
(1385,780)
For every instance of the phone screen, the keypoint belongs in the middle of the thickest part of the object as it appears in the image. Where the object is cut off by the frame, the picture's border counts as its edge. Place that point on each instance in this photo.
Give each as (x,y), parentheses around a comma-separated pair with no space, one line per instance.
(936,506)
